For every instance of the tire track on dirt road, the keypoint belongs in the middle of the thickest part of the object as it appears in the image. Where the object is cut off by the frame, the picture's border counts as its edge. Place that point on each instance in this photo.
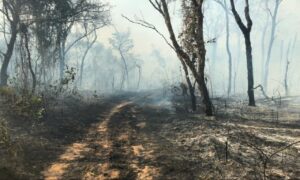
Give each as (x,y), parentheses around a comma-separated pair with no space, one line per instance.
(108,151)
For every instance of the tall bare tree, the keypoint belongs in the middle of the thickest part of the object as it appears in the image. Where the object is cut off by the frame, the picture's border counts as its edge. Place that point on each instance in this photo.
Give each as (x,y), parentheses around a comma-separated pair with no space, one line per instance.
(192,51)
(274,22)
(246,30)
(223,4)
(89,46)
(11,10)
(122,42)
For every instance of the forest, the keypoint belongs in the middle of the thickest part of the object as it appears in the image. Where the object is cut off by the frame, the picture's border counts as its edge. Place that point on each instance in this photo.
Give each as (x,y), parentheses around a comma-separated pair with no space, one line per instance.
(149,89)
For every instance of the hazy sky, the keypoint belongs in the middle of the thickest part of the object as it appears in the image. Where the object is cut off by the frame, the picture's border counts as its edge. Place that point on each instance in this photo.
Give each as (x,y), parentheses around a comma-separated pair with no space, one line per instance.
(145,39)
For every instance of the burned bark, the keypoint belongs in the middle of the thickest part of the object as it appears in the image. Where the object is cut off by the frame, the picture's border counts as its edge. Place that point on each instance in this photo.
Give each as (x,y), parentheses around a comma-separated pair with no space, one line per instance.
(10,11)
(200,51)
(33,76)
(246,30)
(190,87)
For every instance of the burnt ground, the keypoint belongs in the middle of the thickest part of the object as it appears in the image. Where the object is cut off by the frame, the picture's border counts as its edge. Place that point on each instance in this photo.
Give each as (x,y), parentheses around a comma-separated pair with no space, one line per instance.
(139,136)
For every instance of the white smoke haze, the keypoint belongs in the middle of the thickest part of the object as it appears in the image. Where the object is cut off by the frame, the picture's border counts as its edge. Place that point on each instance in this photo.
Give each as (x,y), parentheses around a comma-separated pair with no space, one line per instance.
(160,66)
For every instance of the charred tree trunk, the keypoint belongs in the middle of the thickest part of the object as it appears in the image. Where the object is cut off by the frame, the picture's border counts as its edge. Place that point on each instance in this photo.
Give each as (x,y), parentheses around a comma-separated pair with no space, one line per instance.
(64,31)
(33,76)
(8,54)
(190,86)
(250,69)
(246,30)
(199,50)
(192,95)
(201,53)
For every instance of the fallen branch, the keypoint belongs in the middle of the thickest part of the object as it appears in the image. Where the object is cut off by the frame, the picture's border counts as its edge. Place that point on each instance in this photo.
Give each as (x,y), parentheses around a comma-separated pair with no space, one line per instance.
(262,90)
(266,158)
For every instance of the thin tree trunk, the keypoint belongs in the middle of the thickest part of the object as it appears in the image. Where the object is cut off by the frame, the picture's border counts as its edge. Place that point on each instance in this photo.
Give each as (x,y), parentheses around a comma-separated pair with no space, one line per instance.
(84,57)
(286,88)
(228,50)
(62,59)
(123,79)
(29,63)
(140,73)
(286,77)
(237,64)
(246,30)
(8,54)
(250,70)
(192,94)
(201,52)
(190,86)
(125,68)
(263,51)
(224,6)
(270,47)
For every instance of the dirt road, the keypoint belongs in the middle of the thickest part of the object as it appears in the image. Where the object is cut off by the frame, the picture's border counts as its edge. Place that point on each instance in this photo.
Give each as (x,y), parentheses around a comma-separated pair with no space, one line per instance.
(124,144)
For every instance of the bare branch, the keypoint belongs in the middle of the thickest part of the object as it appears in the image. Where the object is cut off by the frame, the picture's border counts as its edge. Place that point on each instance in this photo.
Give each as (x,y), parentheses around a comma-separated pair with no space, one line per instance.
(237,17)
(80,38)
(247,15)
(149,26)
(157,6)
(282,149)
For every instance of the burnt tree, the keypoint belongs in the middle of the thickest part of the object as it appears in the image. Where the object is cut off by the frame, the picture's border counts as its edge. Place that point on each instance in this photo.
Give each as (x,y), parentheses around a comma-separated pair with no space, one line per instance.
(195,36)
(246,30)
(11,10)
